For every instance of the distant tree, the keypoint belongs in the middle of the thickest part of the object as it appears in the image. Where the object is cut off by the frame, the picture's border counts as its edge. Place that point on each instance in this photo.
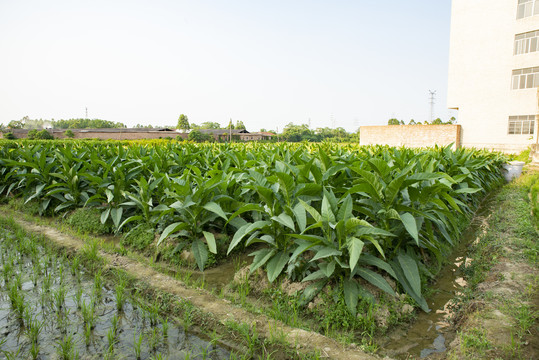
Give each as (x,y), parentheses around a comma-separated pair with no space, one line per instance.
(240,125)
(15,124)
(452,120)
(393,121)
(210,125)
(198,136)
(44,135)
(230,125)
(9,136)
(70,134)
(412,122)
(32,134)
(437,121)
(183,123)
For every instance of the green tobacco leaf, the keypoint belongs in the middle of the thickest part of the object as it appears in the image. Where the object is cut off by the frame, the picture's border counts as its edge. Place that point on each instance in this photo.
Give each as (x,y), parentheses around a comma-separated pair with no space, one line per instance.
(379,263)
(301,216)
(325,252)
(200,252)
(260,258)
(116,215)
(105,216)
(216,209)
(351,295)
(327,268)
(210,240)
(285,220)
(244,230)
(311,291)
(315,214)
(276,265)
(318,274)
(409,268)
(408,220)
(327,213)
(168,230)
(376,280)
(355,246)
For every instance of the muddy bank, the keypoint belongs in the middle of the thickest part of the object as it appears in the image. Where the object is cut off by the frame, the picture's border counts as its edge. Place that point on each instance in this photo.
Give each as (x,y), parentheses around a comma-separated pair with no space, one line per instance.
(497,315)
(220,309)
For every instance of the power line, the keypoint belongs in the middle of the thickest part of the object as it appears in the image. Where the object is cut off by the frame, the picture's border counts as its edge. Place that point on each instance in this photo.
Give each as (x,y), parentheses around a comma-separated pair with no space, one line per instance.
(431,101)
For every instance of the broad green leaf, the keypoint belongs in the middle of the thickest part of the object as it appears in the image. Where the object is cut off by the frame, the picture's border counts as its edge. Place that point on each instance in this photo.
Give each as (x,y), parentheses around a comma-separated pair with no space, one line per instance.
(285,220)
(276,265)
(327,268)
(381,264)
(105,216)
(409,268)
(260,258)
(244,230)
(327,213)
(351,295)
(345,212)
(318,274)
(324,252)
(376,280)
(355,246)
(168,230)
(200,252)
(408,220)
(315,214)
(210,240)
(216,209)
(301,216)
(116,215)
(311,291)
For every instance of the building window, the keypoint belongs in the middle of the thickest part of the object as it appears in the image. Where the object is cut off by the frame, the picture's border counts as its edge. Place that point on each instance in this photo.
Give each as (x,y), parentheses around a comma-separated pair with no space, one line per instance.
(527,8)
(527,42)
(521,125)
(525,78)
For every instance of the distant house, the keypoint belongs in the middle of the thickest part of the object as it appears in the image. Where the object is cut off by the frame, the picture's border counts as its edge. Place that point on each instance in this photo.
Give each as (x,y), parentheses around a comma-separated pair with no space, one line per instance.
(148,133)
(237,134)
(106,134)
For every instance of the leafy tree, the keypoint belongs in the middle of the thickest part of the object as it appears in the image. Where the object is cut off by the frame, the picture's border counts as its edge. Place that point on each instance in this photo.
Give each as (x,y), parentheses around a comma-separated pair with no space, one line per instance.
(437,121)
(393,121)
(32,134)
(14,124)
(198,136)
(44,135)
(9,136)
(412,122)
(68,133)
(240,125)
(230,125)
(210,125)
(183,122)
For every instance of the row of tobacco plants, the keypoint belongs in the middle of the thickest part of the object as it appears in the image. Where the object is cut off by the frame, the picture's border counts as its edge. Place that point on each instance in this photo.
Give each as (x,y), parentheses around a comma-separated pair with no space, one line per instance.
(332,214)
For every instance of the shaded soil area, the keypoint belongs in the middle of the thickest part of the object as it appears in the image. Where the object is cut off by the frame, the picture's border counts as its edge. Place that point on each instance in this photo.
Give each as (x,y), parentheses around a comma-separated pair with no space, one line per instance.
(222,310)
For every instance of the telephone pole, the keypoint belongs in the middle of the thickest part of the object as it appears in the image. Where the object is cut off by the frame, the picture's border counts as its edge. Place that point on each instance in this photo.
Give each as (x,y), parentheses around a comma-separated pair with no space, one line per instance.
(86,113)
(431,101)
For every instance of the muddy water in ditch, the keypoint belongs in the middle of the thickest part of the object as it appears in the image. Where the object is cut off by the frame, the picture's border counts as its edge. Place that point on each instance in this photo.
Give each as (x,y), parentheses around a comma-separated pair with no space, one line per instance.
(39,280)
(431,332)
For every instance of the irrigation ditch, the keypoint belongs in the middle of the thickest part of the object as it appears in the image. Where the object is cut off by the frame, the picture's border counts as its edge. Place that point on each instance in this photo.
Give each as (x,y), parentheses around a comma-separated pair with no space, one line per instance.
(195,323)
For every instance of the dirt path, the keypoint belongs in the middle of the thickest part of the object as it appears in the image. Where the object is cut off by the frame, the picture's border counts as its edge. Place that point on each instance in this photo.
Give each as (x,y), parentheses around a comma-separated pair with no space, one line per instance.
(304,341)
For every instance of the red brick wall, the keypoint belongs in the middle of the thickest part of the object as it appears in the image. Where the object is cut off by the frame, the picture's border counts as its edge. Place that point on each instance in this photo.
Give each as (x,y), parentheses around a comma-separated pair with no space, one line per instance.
(410,135)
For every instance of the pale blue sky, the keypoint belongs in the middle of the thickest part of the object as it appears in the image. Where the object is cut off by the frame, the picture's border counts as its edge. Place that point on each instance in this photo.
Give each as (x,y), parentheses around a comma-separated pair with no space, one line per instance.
(266,63)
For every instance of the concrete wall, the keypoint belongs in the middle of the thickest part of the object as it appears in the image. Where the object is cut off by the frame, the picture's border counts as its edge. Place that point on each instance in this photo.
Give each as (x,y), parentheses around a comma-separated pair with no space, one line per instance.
(410,135)
(481,62)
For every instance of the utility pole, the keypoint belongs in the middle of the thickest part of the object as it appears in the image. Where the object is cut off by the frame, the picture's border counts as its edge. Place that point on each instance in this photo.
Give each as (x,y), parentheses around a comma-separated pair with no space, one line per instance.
(431,101)
(87,113)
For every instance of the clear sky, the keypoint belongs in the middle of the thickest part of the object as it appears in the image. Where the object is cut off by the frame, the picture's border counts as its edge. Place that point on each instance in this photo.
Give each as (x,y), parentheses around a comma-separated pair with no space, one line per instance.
(338,63)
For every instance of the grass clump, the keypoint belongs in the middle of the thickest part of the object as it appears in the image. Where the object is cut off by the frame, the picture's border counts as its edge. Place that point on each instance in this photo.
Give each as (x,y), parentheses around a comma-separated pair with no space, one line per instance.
(88,220)
(140,238)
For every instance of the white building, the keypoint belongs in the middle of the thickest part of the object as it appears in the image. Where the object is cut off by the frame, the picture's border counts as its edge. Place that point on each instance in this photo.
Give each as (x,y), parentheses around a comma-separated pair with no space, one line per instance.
(494,72)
